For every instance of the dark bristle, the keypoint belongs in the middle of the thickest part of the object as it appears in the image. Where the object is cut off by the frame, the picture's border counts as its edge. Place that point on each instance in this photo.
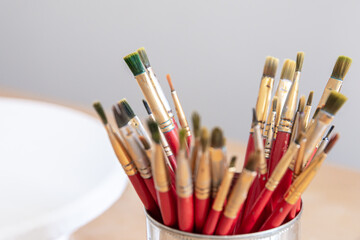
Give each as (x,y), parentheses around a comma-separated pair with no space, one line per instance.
(125,107)
(254,118)
(195,117)
(143,56)
(270,67)
(331,143)
(232,162)
(253,161)
(100,111)
(204,138)
(329,132)
(310,98)
(299,61)
(274,104)
(144,142)
(134,63)
(341,67)
(288,70)
(147,107)
(217,138)
(120,118)
(182,138)
(334,102)
(154,130)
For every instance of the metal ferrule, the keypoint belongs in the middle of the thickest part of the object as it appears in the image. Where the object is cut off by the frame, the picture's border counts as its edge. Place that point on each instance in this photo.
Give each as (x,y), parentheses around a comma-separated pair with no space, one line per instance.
(217,162)
(295,127)
(282,166)
(163,141)
(315,131)
(180,112)
(332,85)
(223,189)
(138,155)
(299,159)
(159,90)
(239,193)
(282,93)
(263,100)
(322,146)
(303,181)
(152,98)
(120,152)
(139,127)
(203,178)
(270,135)
(307,112)
(289,107)
(160,172)
(259,147)
(184,185)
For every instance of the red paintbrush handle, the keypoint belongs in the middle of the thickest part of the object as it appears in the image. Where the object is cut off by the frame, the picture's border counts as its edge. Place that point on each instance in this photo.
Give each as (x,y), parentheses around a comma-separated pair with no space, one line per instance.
(211,222)
(254,191)
(262,181)
(167,202)
(225,225)
(173,140)
(277,216)
(250,220)
(188,141)
(145,195)
(295,210)
(281,189)
(201,212)
(150,185)
(175,124)
(172,161)
(278,149)
(250,148)
(185,209)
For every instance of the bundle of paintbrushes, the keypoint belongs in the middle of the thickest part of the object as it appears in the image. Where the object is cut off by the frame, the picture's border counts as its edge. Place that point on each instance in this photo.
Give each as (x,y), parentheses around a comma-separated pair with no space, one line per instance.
(188,183)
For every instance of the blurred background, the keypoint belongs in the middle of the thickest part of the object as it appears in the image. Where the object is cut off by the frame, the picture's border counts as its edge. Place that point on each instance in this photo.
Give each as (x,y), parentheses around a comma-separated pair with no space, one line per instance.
(71,52)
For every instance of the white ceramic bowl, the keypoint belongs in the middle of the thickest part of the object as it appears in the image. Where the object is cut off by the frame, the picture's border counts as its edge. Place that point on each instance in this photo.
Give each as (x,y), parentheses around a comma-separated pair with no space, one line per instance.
(57,170)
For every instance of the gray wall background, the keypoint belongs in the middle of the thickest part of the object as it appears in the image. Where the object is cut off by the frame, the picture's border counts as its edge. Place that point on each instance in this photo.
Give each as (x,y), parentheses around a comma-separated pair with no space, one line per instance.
(215,51)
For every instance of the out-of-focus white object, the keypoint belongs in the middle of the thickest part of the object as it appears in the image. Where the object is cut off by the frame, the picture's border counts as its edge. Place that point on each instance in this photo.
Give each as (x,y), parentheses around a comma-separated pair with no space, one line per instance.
(57,170)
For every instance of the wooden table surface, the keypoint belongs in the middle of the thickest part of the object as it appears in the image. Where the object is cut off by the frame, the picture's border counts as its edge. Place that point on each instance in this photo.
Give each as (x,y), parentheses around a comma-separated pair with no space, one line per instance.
(331,205)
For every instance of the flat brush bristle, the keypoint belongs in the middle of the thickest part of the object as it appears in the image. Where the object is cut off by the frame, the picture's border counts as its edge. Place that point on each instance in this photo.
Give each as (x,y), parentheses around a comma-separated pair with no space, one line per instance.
(310,98)
(270,67)
(217,138)
(195,117)
(154,130)
(170,82)
(147,107)
(274,104)
(341,67)
(301,105)
(204,138)
(331,143)
(134,63)
(299,61)
(120,118)
(143,56)
(182,138)
(253,161)
(299,137)
(144,142)
(125,107)
(334,102)
(288,70)
(100,111)
(232,162)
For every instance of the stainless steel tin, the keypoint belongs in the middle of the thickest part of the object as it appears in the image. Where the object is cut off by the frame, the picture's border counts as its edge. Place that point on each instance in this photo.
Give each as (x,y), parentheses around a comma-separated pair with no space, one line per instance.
(287,231)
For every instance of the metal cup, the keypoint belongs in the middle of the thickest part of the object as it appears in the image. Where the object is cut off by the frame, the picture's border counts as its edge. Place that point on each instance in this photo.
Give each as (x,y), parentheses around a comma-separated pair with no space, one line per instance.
(287,231)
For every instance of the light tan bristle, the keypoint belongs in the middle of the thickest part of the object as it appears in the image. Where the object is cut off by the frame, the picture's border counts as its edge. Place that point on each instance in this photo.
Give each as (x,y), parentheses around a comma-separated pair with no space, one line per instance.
(301,106)
(299,61)
(270,67)
(253,161)
(274,103)
(170,82)
(288,70)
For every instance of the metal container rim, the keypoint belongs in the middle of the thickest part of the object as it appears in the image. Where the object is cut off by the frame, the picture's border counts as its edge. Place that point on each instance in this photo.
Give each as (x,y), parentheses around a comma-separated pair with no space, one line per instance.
(235,237)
